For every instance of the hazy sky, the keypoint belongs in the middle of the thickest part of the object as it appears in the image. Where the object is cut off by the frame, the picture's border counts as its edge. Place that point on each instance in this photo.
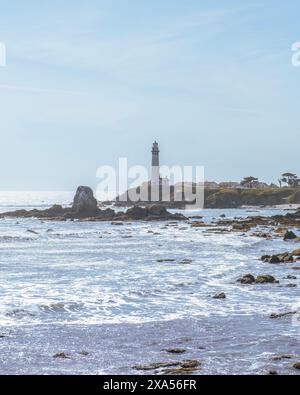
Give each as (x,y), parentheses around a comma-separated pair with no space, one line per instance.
(89,82)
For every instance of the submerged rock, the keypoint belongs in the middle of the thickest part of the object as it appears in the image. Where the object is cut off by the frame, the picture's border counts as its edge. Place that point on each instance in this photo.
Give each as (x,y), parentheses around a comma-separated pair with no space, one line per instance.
(179,371)
(289,235)
(198,224)
(221,295)
(186,262)
(280,258)
(281,315)
(137,212)
(265,279)
(157,210)
(289,277)
(186,367)
(84,353)
(285,257)
(32,231)
(281,357)
(273,373)
(190,364)
(262,235)
(296,253)
(158,365)
(241,227)
(175,350)
(61,355)
(187,364)
(295,215)
(247,279)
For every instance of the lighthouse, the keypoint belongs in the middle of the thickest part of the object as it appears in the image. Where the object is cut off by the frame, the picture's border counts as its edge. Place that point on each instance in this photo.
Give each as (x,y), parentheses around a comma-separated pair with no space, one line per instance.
(155,177)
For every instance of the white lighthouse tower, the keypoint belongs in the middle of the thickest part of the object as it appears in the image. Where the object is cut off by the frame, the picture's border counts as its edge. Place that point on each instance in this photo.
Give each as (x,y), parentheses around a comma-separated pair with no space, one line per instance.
(155,177)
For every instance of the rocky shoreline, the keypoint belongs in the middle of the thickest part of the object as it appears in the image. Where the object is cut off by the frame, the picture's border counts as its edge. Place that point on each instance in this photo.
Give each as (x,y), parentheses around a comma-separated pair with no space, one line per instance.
(224,198)
(288,220)
(193,346)
(272,272)
(85,208)
(259,197)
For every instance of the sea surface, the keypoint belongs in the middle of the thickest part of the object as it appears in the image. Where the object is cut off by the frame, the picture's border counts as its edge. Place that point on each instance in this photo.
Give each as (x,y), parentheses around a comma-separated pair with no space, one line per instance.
(97,292)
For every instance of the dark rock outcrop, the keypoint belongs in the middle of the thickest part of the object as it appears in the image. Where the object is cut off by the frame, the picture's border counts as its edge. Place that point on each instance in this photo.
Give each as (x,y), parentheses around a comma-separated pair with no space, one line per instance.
(247,279)
(284,221)
(222,295)
(198,224)
(280,258)
(158,365)
(282,315)
(137,212)
(186,365)
(263,279)
(61,355)
(175,350)
(295,215)
(281,357)
(152,213)
(266,279)
(157,210)
(55,211)
(273,373)
(84,203)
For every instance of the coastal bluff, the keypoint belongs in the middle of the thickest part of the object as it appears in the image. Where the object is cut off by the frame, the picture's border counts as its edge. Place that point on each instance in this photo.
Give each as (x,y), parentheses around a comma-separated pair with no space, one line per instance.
(85,207)
(234,198)
(221,198)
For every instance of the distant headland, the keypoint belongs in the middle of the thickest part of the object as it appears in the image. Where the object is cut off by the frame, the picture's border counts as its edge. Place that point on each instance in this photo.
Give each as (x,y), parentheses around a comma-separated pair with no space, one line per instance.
(248,192)
(223,195)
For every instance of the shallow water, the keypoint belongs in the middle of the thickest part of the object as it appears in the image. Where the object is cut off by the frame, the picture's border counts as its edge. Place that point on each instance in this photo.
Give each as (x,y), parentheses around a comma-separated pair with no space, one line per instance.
(69,286)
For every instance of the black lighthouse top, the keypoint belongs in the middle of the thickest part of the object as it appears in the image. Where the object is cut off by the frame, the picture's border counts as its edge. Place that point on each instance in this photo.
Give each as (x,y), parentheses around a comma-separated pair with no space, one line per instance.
(155,149)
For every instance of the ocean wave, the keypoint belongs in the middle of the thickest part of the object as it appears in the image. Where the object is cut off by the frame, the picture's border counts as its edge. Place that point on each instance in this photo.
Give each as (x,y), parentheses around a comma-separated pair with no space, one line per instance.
(20,313)
(61,307)
(79,235)
(12,239)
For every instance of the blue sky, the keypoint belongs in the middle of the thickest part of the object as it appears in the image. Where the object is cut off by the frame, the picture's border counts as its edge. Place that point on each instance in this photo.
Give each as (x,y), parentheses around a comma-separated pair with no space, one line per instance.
(89,82)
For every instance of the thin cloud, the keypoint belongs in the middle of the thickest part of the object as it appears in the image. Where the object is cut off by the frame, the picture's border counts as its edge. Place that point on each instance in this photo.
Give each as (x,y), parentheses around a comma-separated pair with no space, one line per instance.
(28,89)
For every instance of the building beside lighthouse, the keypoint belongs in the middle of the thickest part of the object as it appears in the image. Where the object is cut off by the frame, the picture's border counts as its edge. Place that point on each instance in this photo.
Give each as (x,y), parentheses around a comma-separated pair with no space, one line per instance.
(156,179)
